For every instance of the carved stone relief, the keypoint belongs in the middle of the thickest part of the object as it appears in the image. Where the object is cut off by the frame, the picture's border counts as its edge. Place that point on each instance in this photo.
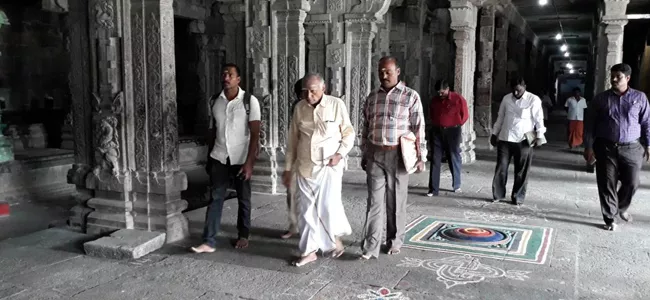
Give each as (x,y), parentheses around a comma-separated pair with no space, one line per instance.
(107,143)
(105,13)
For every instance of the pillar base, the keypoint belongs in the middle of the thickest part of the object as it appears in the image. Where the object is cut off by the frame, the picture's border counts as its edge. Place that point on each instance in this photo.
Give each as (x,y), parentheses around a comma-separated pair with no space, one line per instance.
(467,153)
(6,147)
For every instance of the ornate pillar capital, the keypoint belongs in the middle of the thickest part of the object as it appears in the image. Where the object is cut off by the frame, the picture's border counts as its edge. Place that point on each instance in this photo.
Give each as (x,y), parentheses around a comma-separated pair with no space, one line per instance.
(375,8)
(463,15)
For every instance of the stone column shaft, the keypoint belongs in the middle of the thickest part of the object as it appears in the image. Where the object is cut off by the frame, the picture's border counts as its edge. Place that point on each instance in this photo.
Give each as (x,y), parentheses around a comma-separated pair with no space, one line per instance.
(483,109)
(610,50)
(463,22)
(500,56)
(135,179)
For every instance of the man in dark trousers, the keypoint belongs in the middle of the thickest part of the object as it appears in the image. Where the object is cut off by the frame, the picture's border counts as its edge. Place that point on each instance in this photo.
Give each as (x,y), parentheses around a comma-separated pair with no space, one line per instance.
(617,132)
(448,112)
(235,119)
(518,129)
(291,205)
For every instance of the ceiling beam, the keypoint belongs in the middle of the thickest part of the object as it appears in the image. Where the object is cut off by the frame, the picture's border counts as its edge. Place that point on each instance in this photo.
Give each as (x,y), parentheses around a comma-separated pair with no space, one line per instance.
(555,18)
(567,35)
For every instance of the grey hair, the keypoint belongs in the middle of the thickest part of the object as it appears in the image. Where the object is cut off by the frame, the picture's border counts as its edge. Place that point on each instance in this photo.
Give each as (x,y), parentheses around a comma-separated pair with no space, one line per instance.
(313,75)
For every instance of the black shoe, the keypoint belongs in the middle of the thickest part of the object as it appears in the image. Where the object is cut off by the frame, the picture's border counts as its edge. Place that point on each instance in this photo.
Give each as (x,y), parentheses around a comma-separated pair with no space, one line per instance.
(514,202)
(626,216)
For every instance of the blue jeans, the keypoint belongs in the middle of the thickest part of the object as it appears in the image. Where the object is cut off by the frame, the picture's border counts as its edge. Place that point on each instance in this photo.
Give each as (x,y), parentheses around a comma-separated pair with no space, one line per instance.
(220,178)
(445,139)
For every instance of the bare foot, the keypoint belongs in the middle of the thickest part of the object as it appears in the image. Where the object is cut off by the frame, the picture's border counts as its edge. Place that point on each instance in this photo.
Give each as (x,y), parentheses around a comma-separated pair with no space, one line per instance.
(241,243)
(286,235)
(203,249)
(306,259)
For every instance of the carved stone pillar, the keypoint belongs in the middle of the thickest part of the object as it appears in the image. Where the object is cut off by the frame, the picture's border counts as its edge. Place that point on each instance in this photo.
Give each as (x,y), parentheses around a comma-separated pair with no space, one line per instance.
(483,109)
(415,14)
(441,67)
(259,52)
(238,52)
(289,63)
(203,66)
(611,47)
(500,57)
(381,45)
(316,36)
(463,22)
(79,79)
(290,59)
(135,179)
(614,22)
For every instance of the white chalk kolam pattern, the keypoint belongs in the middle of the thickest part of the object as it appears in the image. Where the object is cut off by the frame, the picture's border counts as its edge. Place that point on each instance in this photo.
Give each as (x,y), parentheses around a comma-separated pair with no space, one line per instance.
(382,294)
(462,269)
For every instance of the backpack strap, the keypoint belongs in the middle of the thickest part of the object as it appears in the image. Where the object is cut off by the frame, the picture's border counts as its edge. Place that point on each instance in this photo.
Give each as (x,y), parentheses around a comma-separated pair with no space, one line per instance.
(247,102)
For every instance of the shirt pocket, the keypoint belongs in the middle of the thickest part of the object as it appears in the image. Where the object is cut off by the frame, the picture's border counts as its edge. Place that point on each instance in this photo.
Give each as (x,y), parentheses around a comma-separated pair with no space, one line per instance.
(631,111)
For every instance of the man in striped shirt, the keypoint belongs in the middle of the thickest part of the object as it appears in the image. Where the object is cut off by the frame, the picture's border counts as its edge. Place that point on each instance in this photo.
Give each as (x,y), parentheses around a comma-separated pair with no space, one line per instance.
(390,112)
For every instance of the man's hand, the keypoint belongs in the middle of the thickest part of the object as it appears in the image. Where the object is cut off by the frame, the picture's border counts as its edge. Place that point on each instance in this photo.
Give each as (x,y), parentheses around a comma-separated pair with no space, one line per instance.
(420,166)
(646,154)
(538,143)
(335,159)
(246,171)
(493,140)
(286,179)
(364,163)
(589,154)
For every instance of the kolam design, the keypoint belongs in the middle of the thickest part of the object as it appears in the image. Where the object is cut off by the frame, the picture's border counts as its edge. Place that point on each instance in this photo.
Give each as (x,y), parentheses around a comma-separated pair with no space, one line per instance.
(522,243)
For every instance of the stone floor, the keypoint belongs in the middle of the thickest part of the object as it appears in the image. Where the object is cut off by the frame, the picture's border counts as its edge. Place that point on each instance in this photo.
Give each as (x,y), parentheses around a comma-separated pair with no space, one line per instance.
(584,261)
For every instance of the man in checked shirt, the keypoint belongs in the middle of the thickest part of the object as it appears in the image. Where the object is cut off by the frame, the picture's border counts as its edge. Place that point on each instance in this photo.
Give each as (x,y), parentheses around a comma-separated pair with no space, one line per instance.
(389,112)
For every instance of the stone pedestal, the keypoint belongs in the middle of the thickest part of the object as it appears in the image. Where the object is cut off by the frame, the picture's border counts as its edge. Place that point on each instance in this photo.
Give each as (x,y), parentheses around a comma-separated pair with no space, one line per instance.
(483,109)
(463,23)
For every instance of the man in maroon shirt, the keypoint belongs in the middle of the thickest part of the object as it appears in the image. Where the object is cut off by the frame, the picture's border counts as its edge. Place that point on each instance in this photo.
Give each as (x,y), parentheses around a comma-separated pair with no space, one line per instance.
(448,112)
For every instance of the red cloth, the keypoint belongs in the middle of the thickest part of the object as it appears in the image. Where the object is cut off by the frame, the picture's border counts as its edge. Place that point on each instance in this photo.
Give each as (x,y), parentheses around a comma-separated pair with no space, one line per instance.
(449,111)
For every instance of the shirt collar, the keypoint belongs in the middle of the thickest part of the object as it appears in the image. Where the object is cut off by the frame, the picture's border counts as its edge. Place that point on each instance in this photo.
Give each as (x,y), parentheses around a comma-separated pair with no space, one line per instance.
(400,85)
(240,93)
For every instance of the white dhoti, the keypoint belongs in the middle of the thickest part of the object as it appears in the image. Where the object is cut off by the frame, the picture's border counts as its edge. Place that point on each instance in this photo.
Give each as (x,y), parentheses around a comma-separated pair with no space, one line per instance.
(322,216)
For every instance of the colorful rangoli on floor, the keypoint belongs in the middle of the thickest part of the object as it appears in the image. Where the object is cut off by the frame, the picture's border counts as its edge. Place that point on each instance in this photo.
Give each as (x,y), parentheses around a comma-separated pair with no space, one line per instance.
(522,243)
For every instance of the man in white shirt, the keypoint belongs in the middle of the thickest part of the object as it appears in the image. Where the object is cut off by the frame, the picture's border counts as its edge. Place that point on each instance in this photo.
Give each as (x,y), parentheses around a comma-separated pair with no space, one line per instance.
(320,137)
(233,147)
(575,114)
(519,127)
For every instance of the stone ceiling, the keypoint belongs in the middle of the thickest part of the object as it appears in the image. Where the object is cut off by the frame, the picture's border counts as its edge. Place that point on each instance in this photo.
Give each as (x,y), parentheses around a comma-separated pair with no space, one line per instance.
(578,19)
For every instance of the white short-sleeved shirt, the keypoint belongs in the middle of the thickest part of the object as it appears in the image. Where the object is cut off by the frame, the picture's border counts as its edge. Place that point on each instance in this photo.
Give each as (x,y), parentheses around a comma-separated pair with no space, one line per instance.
(233,134)
(576,108)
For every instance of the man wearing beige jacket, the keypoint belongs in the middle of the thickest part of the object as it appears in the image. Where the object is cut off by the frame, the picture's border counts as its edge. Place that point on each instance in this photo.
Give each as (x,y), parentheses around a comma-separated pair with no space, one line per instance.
(320,137)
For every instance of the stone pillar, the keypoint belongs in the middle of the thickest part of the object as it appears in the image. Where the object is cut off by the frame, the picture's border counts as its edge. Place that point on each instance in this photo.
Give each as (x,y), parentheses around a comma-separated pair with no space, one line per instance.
(80,79)
(259,52)
(381,45)
(289,54)
(415,12)
(203,66)
(611,52)
(483,109)
(441,52)
(133,156)
(288,51)
(500,72)
(234,17)
(316,36)
(463,21)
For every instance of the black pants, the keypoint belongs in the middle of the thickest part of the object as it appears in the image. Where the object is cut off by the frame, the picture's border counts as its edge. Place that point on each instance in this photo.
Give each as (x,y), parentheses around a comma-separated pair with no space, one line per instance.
(445,141)
(616,163)
(522,154)
(220,177)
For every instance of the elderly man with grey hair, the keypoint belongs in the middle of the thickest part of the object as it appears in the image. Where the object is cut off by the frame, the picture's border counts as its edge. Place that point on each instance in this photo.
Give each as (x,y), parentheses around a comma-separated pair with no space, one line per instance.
(320,137)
